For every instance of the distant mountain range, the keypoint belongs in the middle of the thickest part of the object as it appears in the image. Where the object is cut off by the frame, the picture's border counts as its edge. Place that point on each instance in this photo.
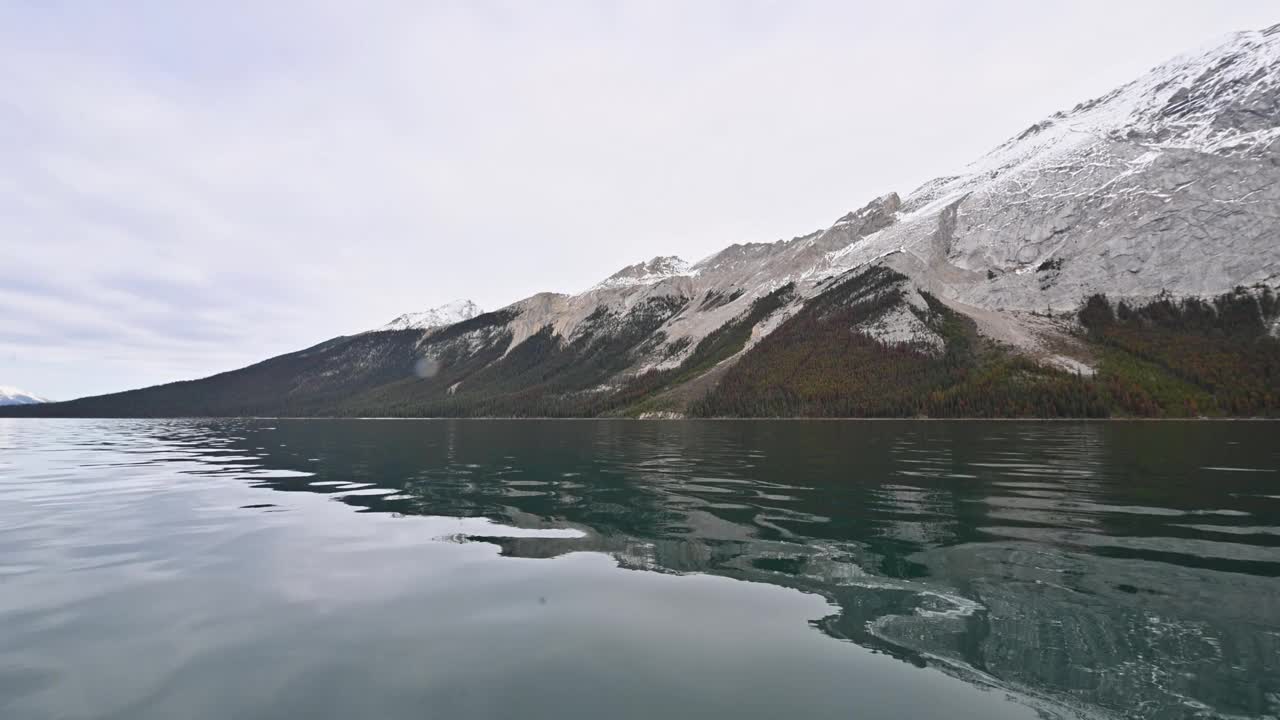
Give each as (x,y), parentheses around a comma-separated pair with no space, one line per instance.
(14,396)
(1118,258)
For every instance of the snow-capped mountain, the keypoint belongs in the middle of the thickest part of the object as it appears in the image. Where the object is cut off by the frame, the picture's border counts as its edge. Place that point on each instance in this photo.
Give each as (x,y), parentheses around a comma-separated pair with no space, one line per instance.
(1140,229)
(1165,184)
(646,273)
(15,396)
(1170,183)
(447,314)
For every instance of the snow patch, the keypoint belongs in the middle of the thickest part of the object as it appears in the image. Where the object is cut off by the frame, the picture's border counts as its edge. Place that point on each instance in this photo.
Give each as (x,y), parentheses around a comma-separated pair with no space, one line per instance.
(646,273)
(10,395)
(444,315)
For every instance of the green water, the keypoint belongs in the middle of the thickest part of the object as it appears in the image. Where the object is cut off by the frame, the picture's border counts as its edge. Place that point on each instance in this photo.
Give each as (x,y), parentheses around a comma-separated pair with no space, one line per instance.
(621,569)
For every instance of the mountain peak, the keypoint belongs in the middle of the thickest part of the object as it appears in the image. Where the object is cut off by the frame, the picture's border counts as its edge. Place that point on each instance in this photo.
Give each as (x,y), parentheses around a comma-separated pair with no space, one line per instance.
(887,204)
(14,396)
(447,314)
(1219,98)
(647,273)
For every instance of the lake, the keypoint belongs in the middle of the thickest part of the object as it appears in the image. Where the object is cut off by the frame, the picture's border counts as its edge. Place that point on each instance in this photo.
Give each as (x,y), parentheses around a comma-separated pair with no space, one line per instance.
(625,569)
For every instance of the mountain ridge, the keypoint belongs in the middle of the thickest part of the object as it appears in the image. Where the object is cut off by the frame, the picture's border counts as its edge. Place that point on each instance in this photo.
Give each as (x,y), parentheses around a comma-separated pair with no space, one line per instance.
(1162,197)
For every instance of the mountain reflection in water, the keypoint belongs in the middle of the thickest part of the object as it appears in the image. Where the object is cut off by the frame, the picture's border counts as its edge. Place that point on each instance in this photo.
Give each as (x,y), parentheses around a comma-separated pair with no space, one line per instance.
(1123,567)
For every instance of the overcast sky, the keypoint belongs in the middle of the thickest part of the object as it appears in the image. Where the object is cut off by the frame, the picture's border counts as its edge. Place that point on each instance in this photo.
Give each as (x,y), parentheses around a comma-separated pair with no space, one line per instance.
(188,187)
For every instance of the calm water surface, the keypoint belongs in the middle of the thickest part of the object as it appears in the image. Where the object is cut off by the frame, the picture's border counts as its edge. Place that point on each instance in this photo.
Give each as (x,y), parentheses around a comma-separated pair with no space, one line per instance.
(596,569)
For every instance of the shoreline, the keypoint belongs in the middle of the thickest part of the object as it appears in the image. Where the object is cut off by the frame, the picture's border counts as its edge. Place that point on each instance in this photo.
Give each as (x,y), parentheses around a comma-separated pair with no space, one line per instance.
(647,420)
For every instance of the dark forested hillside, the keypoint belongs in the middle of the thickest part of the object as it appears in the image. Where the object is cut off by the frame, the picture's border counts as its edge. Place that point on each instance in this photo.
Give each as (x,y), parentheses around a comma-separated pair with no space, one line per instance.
(1162,359)
(542,376)
(817,365)
(307,382)
(466,369)
(1189,357)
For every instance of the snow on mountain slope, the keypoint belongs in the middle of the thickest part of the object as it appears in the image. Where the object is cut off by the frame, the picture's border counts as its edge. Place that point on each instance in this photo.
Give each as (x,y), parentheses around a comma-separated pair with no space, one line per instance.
(14,396)
(646,273)
(447,314)
(1169,183)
